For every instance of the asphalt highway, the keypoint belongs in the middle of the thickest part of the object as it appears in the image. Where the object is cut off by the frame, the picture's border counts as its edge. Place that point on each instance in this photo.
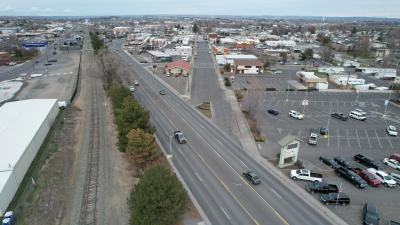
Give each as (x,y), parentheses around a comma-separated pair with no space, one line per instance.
(211,163)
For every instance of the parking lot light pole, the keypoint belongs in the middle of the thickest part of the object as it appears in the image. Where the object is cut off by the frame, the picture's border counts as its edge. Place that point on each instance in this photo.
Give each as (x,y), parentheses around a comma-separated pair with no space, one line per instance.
(287,90)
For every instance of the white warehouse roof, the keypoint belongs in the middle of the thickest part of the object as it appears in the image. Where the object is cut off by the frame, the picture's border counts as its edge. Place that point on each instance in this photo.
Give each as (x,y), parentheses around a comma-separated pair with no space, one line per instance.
(19,122)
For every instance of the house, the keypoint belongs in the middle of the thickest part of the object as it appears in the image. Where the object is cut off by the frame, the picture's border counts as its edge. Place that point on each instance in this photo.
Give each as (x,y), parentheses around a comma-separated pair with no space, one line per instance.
(4,58)
(247,66)
(180,67)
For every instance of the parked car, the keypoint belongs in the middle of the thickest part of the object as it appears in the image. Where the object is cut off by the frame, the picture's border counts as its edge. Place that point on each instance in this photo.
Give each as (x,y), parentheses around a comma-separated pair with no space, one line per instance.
(358,116)
(136,82)
(343,162)
(329,162)
(395,156)
(252,178)
(313,137)
(396,177)
(351,177)
(12,63)
(383,177)
(392,163)
(391,130)
(304,174)
(163,92)
(368,177)
(323,131)
(335,198)
(180,137)
(362,112)
(296,114)
(48,64)
(366,161)
(339,116)
(321,187)
(370,214)
(132,88)
(273,112)
(52,60)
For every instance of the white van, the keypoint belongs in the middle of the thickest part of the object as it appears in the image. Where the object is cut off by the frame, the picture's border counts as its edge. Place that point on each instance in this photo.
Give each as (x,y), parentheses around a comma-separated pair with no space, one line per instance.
(383,177)
(357,115)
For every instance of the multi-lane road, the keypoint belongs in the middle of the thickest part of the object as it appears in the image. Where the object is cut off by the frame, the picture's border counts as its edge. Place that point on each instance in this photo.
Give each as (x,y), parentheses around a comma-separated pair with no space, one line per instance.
(211,163)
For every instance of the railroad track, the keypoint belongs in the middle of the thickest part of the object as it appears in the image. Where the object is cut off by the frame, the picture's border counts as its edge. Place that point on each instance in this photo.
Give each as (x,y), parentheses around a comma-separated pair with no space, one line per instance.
(88,211)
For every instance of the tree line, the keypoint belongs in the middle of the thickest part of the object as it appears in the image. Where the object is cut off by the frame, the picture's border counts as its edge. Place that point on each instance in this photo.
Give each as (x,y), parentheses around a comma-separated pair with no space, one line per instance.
(158,198)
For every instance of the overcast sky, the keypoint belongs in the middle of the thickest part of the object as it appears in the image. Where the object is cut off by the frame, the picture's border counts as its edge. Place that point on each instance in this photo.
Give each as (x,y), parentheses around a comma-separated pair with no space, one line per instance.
(372,8)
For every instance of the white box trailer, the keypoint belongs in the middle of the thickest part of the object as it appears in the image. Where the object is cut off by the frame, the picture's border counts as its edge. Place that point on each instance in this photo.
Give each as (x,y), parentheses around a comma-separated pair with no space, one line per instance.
(331,70)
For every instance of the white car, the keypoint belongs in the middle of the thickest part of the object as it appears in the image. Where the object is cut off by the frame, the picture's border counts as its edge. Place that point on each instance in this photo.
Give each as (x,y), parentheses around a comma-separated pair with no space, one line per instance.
(296,115)
(383,177)
(12,63)
(391,130)
(132,88)
(361,112)
(391,163)
(278,72)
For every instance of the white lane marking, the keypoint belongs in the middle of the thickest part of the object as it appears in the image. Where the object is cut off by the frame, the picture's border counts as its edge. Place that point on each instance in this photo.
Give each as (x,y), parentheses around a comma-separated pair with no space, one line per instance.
(276,193)
(226,214)
(358,139)
(338,137)
(348,140)
(369,141)
(243,163)
(380,144)
(389,140)
(198,177)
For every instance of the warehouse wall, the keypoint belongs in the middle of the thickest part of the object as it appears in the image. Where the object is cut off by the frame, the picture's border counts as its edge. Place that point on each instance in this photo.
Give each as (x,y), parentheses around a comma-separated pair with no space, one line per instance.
(26,159)
(7,193)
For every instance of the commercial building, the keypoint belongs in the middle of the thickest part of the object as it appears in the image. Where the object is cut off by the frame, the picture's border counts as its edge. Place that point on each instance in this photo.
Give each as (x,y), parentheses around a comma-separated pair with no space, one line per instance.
(158,56)
(247,66)
(228,59)
(379,72)
(23,127)
(310,80)
(181,52)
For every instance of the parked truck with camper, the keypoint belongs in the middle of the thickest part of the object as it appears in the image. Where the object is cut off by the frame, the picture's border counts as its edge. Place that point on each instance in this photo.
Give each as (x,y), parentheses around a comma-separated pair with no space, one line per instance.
(304,174)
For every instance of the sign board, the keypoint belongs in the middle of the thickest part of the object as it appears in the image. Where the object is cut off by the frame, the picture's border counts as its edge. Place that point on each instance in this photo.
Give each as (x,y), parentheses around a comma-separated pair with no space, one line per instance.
(289,151)
(34,44)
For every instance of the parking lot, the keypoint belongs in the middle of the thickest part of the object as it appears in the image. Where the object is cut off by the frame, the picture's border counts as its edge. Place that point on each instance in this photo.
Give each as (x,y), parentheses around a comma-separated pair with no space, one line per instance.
(345,138)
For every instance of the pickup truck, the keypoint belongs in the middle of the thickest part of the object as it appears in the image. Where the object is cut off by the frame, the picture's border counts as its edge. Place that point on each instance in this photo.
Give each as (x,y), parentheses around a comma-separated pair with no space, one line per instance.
(305,174)
(322,187)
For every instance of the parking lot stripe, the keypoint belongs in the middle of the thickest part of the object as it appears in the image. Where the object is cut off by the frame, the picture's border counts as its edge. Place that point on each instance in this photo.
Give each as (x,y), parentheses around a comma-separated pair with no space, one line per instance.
(348,140)
(370,146)
(338,144)
(387,136)
(380,144)
(358,139)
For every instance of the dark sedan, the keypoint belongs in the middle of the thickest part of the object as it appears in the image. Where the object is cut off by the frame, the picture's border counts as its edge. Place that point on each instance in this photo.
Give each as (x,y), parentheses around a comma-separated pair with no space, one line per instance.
(339,116)
(273,112)
(329,162)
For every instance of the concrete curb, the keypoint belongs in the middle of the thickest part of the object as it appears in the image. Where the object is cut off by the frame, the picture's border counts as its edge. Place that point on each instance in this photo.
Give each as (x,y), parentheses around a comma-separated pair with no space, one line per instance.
(250,147)
(191,196)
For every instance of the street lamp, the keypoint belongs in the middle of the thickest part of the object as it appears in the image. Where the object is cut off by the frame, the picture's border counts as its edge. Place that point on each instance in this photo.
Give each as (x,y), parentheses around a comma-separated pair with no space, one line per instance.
(287,90)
